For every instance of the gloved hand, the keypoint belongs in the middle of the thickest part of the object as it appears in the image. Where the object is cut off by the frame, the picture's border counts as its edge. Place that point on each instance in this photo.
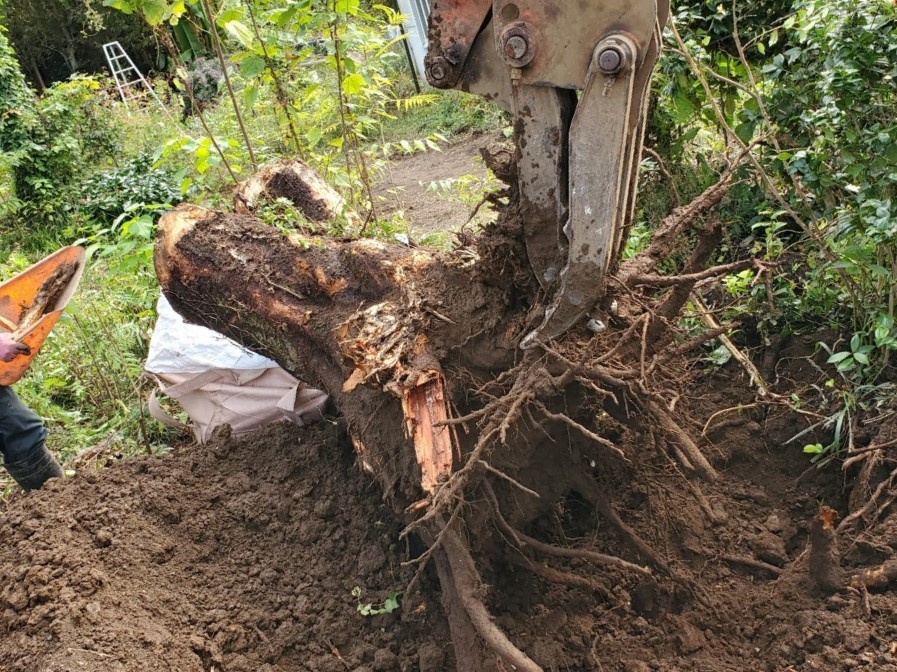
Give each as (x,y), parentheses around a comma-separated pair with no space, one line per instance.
(10,348)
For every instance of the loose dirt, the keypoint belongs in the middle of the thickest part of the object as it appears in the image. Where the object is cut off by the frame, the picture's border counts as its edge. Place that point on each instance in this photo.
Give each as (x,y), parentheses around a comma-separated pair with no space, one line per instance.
(234,556)
(242,555)
(405,185)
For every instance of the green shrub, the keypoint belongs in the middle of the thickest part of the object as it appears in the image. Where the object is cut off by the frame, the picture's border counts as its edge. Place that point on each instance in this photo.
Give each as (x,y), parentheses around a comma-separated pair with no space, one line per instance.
(16,99)
(109,193)
(69,131)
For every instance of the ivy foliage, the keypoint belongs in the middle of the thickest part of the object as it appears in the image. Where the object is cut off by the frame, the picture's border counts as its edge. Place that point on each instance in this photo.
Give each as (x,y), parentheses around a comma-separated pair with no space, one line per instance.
(16,99)
(66,131)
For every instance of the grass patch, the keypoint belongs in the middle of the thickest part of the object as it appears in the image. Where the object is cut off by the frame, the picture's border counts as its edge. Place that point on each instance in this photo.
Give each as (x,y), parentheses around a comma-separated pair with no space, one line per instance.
(451,113)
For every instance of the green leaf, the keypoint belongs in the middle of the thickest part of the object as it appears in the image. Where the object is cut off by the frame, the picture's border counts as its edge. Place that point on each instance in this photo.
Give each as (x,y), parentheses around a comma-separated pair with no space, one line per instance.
(228,16)
(347,7)
(813,448)
(838,357)
(252,65)
(282,17)
(391,603)
(847,365)
(354,84)
(155,11)
(313,136)
(120,5)
(861,357)
(251,94)
(745,131)
(239,31)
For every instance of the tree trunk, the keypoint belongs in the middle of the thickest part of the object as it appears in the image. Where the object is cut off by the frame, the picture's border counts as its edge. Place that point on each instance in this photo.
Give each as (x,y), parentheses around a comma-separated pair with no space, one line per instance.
(466,433)
(352,318)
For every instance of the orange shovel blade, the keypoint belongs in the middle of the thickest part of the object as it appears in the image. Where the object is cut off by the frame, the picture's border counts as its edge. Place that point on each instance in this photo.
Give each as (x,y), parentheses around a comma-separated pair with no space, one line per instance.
(18,293)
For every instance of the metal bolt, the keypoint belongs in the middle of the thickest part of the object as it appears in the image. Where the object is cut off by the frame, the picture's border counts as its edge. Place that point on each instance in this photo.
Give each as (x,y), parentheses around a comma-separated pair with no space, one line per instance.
(516,47)
(437,72)
(610,60)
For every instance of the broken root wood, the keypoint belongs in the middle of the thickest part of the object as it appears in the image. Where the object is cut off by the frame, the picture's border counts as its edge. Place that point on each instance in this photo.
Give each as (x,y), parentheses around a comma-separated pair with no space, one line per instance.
(824,559)
(876,578)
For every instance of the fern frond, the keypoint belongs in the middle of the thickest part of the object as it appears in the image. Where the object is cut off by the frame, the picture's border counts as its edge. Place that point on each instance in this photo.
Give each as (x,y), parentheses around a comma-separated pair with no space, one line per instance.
(415,102)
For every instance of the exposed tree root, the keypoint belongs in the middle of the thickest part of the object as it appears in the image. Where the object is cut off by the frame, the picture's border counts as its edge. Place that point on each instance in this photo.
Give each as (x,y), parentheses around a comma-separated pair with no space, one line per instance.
(581,554)
(753,564)
(568,578)
(633,539)
(469,587)
(695,460)
(468,650)
(876,578)
(522,540)
(364,321)
(600,440)
(857,516)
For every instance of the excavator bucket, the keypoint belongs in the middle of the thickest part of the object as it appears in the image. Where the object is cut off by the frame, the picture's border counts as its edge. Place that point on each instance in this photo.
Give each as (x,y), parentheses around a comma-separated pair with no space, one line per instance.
(32,302)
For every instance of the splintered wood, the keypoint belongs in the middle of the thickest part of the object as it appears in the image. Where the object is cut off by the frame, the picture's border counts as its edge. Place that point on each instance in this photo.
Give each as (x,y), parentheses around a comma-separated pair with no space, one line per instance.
(380,345)
(426,411)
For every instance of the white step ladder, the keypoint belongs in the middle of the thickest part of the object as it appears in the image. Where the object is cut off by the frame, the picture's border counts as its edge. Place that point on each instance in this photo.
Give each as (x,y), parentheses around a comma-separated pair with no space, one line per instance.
(128,78)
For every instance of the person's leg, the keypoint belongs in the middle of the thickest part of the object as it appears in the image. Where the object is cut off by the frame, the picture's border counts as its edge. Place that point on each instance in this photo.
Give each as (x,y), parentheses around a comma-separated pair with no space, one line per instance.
(22,435)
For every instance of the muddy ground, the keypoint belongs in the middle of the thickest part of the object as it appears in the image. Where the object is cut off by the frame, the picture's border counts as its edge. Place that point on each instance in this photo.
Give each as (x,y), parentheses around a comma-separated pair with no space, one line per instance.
(255,554)
(410,185)
(235,555)
(242,555)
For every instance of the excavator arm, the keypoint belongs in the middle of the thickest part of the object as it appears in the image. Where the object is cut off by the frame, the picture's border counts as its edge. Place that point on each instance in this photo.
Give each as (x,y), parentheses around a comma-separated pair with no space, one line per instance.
(574,76)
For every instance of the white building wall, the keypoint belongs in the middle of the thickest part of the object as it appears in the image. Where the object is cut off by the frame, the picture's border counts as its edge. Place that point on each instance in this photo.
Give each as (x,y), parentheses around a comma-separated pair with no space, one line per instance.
(416,13)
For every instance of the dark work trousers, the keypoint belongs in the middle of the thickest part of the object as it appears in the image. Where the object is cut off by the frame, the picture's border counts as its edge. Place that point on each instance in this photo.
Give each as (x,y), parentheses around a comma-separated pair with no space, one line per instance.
(22,435)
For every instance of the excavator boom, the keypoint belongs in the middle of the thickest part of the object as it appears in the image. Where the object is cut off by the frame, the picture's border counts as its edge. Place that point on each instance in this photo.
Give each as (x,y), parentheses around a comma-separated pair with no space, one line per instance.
(578,154)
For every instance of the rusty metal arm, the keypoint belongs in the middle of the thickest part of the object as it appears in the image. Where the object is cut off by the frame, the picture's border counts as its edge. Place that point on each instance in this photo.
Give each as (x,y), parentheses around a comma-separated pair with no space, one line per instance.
(454,26)
(576,168)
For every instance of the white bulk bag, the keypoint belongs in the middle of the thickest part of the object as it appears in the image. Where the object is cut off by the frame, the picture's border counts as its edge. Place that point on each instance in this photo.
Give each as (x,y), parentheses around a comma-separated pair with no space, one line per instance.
(218,382)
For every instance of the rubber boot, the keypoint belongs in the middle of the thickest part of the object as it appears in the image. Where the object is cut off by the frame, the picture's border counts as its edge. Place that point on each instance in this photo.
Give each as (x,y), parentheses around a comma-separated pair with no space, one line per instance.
(36,469)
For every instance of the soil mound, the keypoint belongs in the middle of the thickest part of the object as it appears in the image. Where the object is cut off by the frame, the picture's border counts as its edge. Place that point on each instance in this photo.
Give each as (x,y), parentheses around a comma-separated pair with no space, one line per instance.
(243,556)
(236,556)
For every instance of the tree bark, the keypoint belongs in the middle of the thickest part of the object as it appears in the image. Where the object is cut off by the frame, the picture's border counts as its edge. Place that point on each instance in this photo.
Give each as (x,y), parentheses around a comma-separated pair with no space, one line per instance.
(355,319)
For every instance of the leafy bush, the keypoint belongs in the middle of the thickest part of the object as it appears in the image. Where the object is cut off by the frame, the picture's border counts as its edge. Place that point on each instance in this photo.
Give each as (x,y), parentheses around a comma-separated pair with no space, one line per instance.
(16,99)
(107,194)
(69,130)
